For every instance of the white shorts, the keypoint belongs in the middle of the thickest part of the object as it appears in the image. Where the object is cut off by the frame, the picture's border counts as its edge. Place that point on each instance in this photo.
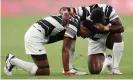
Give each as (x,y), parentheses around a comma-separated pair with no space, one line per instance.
(35,40)
(98,46)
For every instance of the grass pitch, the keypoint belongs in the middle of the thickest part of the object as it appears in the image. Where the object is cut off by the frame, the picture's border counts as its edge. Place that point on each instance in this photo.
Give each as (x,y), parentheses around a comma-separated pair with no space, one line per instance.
(14,28)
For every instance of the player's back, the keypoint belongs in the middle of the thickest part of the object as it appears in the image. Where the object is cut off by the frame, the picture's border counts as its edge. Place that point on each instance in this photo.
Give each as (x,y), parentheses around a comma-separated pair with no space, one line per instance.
(51,24)
(109,11)
(53,27)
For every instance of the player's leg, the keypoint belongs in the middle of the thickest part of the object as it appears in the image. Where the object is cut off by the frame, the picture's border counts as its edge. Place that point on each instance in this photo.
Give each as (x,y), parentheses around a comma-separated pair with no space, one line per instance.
(40,67)
(114,41)
(12,61)
(42,63)
(108,63)
(97,49)
(95,63)
(96,56)
(34,45)
(71,56)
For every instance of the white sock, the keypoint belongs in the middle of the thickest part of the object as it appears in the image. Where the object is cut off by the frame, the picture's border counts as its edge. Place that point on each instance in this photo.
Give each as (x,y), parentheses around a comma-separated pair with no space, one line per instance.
(117,53)
(71,55)
(71,59)
(105,63)
(27,66)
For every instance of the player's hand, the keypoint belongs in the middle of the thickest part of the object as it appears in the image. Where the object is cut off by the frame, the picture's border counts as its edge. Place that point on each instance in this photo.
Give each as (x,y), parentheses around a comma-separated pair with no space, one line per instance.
(65,18)
(102,27)
(68,73)
(99,26)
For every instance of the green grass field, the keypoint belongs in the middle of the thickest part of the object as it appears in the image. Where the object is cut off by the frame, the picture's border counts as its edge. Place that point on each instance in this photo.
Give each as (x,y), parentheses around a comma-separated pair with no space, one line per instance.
(14,28)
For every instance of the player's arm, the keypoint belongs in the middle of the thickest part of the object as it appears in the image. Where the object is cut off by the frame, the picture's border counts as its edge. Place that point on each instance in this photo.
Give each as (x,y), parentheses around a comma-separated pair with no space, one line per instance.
(66,12)
(67,43)
(115,24)
(69,37)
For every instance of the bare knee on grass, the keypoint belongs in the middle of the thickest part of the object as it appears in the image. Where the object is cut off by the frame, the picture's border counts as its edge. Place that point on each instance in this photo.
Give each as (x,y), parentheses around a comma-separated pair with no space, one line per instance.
(95,63)
(42,63)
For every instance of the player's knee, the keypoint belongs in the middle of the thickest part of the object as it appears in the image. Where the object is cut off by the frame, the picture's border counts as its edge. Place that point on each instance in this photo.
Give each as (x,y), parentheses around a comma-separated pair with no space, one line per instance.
(43,70)
(42,63)
(117,37)
(95,63)
(117,34)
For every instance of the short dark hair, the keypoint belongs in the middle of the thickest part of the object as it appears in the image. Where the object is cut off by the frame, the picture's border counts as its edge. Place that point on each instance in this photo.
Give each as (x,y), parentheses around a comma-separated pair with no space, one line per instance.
(87,24)
(97,15)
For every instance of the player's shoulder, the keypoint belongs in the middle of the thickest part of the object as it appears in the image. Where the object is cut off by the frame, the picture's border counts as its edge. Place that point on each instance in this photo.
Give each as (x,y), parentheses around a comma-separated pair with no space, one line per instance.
(75,18)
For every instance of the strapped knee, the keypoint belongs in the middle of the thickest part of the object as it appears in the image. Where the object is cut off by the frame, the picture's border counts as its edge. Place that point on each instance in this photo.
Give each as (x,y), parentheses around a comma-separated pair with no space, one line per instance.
(42,64)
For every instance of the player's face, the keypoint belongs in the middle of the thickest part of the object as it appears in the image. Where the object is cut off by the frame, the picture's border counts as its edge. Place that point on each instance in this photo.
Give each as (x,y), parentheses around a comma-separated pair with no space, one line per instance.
(84,33)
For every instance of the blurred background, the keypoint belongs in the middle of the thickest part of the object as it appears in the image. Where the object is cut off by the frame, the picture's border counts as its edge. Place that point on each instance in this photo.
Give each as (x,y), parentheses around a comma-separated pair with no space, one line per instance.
(19,15)
(37,7)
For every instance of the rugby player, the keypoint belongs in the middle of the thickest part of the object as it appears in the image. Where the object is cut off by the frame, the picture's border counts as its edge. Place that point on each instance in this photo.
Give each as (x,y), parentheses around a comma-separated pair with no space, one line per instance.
(46,31)
(106,32)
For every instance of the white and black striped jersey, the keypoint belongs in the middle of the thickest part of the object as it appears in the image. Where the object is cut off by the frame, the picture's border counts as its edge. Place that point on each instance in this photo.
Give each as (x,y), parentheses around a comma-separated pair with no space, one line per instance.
(55,30)
(85,11)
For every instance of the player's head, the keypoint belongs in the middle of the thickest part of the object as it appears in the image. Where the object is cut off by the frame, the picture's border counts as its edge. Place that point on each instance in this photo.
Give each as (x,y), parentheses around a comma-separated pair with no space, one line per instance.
(87,24)
(97,15)
(84,30)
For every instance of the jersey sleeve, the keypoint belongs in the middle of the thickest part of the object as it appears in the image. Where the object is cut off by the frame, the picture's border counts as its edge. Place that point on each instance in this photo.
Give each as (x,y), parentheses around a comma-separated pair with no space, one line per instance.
(83,12)
(71,31)
(111,13)
(72,27)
